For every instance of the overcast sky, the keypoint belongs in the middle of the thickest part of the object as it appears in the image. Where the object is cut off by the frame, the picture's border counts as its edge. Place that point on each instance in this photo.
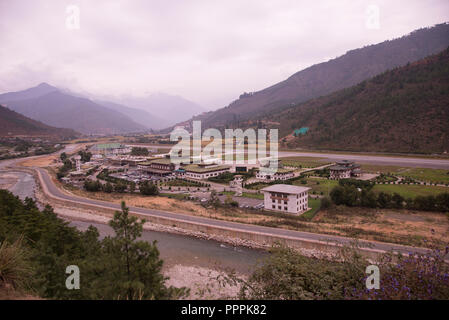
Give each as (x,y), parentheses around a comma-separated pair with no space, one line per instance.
(207,51)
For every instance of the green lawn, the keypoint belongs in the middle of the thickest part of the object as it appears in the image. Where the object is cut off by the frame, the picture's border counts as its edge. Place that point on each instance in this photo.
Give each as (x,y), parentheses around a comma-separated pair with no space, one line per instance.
(253,195)
(372,168)
(315,205)
(422,174)
(410,191)
(245,194)
(182,183)
(432,175)
(318,185)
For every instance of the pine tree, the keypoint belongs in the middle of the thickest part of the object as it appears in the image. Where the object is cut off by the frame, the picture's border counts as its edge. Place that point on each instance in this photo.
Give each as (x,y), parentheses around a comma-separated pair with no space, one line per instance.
(136,266)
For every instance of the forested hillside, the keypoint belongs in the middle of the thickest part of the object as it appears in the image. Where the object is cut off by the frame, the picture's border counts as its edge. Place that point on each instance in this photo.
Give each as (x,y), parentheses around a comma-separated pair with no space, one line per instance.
(36,247)
(402,110)
(13,124)
(324,78)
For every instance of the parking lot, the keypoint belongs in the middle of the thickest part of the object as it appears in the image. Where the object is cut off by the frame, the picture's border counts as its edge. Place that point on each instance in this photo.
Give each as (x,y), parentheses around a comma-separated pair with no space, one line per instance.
(243,202)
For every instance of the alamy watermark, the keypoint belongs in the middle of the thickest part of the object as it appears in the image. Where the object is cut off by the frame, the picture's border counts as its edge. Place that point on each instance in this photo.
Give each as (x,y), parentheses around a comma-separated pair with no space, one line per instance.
(72,21)
(372,17)
(240,147)
(73,280)
(373,279)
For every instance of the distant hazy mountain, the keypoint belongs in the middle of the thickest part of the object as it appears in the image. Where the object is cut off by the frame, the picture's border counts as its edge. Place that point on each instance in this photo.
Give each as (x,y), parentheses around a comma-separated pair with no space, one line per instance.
(34,92)
(49,105)
(324,78)
(14,124)
(138,115)
(170,108)
(402,110)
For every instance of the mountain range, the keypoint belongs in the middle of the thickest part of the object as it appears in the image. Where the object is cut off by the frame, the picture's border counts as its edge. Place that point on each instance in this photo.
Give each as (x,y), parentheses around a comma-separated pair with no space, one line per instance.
(15,124)
(51,106)
(63,108)
(170,109)
(402,110)
(321,79)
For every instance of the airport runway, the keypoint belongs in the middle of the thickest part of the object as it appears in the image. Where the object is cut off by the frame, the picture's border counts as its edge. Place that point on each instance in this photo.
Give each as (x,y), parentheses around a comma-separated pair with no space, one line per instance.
(384,160)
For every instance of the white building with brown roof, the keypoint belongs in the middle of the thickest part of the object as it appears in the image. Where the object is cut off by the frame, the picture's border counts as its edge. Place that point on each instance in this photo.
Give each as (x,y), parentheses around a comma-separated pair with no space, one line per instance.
(286,198)
(205,170)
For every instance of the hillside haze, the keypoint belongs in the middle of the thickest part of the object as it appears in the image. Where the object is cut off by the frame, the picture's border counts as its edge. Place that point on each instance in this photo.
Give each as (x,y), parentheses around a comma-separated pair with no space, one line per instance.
(324,78)
(49,105)
(171,109)
(140,116)
(15,124)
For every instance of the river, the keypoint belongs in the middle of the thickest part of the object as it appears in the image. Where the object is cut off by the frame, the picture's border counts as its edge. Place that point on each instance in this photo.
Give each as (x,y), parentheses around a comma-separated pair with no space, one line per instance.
(174,249)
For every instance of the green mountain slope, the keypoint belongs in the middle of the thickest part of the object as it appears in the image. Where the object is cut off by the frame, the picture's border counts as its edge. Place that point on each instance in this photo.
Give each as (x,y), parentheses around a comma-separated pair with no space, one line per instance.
(321,79)
(402,110)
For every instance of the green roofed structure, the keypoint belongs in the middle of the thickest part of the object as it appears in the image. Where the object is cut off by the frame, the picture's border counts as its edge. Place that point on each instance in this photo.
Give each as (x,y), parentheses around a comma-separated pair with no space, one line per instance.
(301,132)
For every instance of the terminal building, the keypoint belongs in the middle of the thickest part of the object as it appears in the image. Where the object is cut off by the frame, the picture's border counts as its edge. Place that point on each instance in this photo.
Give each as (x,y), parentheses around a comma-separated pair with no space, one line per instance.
(286,198)
(205,170)
(280,173)
(159,167)
(344,170)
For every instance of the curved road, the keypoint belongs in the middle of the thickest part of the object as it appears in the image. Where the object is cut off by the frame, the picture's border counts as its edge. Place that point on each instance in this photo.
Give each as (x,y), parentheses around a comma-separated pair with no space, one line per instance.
(52,190)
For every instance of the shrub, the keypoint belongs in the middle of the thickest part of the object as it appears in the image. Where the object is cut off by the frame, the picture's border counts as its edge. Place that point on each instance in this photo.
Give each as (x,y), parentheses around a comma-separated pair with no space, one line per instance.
(108,188)
(148,189)
(92,186)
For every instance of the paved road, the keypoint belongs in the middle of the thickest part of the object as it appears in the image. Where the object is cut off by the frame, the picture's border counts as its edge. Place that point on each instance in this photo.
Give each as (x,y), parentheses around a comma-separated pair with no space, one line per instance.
(55,192)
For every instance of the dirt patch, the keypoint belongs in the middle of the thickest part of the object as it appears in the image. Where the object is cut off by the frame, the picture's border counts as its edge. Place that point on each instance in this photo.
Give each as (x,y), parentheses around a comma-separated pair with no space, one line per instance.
(203,283)
(405,217)
(43,161)
(397,226)
(7,180)
(175,205)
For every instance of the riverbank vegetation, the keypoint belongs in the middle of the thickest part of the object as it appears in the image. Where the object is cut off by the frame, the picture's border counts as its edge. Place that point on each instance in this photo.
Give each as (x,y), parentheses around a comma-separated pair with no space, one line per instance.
(356,193)
(36,247)
(288,275)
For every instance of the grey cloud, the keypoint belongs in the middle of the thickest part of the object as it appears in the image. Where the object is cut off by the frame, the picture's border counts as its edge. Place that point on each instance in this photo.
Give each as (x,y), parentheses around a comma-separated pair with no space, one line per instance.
(204,50)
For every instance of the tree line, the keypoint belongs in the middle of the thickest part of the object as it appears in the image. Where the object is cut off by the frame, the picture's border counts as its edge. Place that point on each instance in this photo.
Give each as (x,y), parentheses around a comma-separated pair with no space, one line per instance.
(146,188)
(356,193)
(36,247)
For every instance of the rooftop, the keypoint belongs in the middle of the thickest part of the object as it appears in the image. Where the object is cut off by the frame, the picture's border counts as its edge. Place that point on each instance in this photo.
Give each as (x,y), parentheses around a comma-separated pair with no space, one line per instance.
(339,168)
(162,161)
(285,188)
(198,169)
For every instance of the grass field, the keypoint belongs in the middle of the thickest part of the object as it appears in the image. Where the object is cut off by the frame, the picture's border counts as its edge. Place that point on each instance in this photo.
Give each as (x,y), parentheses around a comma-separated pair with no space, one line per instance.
(258,196)
(371,168)
(410,191)
(318,185)
(304,162)
(421,174)
(315,205)
(432,175)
